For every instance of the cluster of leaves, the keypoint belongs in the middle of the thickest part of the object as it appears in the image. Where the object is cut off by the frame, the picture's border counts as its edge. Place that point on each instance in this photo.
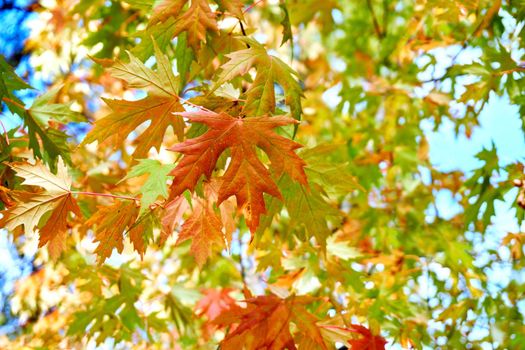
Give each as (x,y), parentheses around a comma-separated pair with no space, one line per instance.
(243,237)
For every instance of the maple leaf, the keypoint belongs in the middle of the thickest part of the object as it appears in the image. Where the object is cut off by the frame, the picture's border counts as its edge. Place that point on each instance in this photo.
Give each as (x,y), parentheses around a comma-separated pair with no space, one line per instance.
(36,118)
(246,177)
(46,142)
(9,80)
(195,20)
(111,222)
(307,325)
(310,209)
(155,185)
(367,340)
(265,323)
(55,229)
(172,216)
(226,208)
(211,305)
(204,227)
(287,26)
(44,111)
(31,207)
(214,302)
(163,34)
(165,9)
(334,177)
(141,231)
(158,107)
(234,7)
(260,97)
(306,207)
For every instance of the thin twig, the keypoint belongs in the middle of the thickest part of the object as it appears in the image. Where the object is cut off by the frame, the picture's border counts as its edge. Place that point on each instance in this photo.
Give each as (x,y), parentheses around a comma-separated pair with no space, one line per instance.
(338,308)
(242,267)
(252,6)
(244,33)
(385,17)
(377,28)
(5,132)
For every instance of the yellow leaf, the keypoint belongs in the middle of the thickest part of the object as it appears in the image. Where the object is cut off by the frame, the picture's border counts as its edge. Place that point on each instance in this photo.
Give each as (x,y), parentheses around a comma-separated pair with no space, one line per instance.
(31,207)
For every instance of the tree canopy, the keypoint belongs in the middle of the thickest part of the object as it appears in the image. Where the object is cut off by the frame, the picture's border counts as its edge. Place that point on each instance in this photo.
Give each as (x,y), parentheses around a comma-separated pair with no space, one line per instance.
(239,174)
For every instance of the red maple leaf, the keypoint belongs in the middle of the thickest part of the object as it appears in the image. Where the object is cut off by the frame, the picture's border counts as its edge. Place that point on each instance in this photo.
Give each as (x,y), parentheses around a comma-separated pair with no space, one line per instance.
(367,341)
(246,177)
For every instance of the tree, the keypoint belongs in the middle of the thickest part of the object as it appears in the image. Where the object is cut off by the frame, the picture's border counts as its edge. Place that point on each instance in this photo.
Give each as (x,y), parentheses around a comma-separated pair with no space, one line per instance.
(203,174)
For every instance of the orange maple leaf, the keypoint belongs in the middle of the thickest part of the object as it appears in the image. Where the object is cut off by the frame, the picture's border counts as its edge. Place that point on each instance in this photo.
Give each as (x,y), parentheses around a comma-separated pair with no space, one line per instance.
(265,324)
(54,231)
(204,227)
(214,302)
(246,177)
(172,216)
(111,223)
(195,22)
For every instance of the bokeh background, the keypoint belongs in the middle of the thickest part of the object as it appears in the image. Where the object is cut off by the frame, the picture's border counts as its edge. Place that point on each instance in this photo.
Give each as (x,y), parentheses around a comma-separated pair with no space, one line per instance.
(499,125)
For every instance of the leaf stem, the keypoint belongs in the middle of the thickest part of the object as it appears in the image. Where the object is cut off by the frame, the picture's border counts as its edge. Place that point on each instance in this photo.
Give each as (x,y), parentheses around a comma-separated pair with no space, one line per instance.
(5,133)
(8,100)
(95,194)
(377,28)
(252,6)
(182,100)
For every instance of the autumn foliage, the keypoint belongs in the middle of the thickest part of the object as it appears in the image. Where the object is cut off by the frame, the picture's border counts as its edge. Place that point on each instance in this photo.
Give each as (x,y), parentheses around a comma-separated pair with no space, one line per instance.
(235,174)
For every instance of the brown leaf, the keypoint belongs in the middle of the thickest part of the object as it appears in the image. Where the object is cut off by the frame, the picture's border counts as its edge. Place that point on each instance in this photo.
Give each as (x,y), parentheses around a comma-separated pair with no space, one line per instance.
(111,222)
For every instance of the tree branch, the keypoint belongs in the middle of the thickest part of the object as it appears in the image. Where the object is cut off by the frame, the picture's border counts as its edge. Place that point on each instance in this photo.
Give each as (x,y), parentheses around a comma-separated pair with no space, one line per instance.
(377,28)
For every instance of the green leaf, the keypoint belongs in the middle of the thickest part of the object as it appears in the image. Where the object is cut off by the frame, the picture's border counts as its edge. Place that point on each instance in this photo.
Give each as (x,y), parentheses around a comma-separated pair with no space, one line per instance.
(158,107)
(138,76)
(287,26)
(44,111)
(332,174)
(184,60)
(308,208)
(260,97)
(10,80)
(162,32)
(54,142)
(155,186)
